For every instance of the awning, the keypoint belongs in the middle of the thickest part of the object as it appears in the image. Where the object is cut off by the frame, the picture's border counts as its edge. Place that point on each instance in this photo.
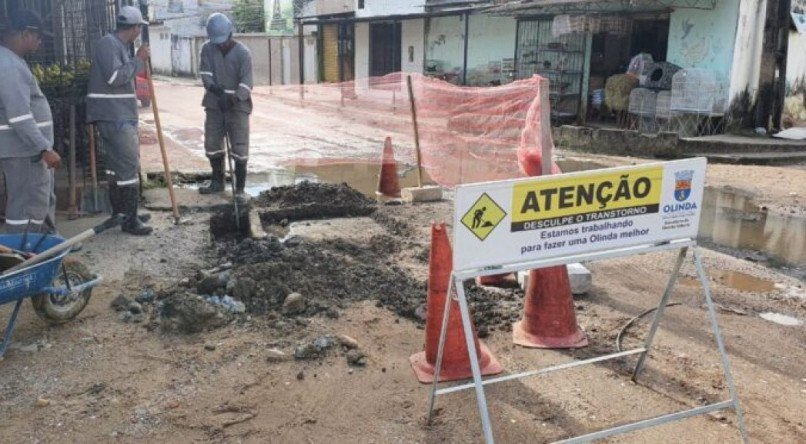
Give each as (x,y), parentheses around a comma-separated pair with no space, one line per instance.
(539,7)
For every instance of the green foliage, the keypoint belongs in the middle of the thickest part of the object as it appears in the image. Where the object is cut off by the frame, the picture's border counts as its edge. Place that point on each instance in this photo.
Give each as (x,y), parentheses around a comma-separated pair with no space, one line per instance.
(249,16)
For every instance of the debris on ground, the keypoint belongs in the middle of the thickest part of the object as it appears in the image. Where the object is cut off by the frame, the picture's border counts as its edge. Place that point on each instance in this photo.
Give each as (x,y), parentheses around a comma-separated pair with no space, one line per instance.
(308,200)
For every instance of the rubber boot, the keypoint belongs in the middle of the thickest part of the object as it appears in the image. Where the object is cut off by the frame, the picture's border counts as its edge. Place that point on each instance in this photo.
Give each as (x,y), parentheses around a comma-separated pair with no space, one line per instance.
(130,197)
(240,183)
(217,182)
(117,208)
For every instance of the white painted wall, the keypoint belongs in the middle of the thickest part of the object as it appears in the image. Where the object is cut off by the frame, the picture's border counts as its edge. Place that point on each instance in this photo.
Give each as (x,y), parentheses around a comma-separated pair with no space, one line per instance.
(445,42)
(490,40)
(413,45)
(361,53)
(744,73)
(380,8)
(311,56)
(161,49)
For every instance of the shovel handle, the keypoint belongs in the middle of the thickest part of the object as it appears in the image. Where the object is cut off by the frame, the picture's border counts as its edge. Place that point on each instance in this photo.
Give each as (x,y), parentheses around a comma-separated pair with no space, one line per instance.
(53,251)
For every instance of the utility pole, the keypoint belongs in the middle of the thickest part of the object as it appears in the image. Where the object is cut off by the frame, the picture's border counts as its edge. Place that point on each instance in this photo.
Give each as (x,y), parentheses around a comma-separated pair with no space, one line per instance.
(772,76)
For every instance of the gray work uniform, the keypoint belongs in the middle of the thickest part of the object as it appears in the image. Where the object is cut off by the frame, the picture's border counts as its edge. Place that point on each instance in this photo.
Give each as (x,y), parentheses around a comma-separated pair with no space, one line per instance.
(112,106)
(233,73)
(26,129)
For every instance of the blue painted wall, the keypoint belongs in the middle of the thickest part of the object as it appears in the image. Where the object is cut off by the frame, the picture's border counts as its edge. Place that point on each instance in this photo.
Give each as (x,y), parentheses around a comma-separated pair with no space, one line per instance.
(704,38)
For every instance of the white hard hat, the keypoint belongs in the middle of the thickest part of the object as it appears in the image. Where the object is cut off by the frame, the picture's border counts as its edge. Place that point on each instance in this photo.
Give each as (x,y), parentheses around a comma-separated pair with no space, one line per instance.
(129,15)
(219,28)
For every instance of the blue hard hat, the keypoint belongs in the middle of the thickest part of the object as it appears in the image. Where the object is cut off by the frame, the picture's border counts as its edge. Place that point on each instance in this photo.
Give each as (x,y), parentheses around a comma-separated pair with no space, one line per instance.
(219,28)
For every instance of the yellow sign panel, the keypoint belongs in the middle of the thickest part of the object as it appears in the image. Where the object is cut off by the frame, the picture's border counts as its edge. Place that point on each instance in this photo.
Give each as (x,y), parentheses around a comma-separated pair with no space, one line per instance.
(570,200)
(482,218)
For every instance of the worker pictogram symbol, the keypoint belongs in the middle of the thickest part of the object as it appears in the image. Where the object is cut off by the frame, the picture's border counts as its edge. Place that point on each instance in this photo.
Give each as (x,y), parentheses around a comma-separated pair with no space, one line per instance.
(482,218)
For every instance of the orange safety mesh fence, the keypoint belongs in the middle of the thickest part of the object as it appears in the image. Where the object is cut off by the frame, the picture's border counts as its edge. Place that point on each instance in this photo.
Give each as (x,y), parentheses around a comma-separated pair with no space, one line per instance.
(467,134)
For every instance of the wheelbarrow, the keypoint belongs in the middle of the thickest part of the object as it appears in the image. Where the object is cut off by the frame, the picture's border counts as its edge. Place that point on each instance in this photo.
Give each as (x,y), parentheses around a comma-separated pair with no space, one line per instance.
(59,288)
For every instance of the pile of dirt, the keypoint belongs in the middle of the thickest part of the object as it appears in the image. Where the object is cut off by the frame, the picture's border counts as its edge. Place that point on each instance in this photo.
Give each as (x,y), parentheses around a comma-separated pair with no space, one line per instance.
(308,200)
(331,274)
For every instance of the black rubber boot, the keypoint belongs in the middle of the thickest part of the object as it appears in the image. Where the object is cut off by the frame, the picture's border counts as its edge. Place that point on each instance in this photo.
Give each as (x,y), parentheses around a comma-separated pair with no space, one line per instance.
(217,182)
(240,183)
(117,208)
(130,197)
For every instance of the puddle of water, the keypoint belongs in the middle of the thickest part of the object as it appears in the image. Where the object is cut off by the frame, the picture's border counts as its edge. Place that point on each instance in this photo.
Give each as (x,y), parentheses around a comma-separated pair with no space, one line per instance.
(734,279)
(733,220)
(362,176)
(781,319)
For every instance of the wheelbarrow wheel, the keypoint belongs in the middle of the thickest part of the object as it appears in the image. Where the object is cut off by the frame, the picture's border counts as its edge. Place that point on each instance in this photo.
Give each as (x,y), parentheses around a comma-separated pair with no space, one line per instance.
(58,309)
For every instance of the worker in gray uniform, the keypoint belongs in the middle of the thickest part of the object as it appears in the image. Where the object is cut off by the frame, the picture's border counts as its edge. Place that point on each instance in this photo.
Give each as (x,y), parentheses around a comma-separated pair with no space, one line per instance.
(26,131)
(226,71)
(112,105)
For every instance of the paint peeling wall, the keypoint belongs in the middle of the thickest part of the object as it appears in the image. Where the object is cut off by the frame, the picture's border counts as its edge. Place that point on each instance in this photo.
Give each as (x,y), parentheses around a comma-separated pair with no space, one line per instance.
(749,39)
(445,46)
(380,8)
(705,38)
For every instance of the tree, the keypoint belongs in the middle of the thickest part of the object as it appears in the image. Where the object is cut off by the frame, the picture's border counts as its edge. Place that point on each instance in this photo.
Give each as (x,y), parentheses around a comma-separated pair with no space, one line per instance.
(249,16)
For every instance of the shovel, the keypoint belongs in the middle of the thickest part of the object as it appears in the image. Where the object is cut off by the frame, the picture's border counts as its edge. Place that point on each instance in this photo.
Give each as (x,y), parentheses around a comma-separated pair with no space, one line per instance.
(112,222)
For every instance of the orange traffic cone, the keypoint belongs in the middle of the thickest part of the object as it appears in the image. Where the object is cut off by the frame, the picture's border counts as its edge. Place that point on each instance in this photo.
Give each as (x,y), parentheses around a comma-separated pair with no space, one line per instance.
(549,319)
(455,359)
(388,184)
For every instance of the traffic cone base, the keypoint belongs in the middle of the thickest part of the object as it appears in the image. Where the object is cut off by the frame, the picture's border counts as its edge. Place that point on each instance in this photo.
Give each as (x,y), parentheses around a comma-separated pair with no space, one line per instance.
(388,183)
(425,371)
(522,337)
(506,280)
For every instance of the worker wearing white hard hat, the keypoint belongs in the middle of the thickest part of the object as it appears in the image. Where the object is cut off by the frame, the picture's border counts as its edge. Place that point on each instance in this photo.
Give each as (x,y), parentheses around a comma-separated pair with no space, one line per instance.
(226,71)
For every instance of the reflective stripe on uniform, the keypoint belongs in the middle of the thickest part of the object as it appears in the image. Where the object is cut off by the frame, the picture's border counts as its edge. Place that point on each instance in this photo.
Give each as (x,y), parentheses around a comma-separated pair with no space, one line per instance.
(229,91)
(127,182)
(215,153)
(111,96)
(21,118)
(24,221)
(206,73)
(110,172)
(40,125)
(237,157)
(245,87)
(112,79)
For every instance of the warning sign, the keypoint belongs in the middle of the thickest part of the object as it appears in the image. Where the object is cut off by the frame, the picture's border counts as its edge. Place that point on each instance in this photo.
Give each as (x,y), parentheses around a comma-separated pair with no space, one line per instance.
(576,213)
(482,218)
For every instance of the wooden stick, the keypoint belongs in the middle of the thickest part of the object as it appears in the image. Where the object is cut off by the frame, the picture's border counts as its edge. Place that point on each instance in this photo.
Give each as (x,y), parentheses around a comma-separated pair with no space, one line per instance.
(416,133)
(93,166)
(165,164)
(545,128)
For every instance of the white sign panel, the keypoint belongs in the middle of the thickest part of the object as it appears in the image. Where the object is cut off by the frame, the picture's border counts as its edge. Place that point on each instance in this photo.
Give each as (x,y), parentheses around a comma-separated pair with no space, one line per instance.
(531,219)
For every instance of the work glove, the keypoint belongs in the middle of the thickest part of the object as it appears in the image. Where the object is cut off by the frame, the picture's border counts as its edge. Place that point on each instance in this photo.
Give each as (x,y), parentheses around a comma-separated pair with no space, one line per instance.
(216,90)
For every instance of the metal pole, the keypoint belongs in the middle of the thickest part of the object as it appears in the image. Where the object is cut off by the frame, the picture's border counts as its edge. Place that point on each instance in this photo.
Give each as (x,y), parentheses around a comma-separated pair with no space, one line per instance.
(71,169)
(416,132)
(443,333)
(720,344)
(546,143)
(659,312)
(481,400)
(301,49)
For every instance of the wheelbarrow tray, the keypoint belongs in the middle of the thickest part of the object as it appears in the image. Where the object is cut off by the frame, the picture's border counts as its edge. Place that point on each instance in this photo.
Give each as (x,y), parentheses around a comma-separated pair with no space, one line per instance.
(33,280)
(30,281)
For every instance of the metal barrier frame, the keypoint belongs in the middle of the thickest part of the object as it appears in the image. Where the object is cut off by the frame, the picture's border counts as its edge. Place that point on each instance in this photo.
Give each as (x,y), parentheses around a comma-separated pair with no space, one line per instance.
(459,277)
